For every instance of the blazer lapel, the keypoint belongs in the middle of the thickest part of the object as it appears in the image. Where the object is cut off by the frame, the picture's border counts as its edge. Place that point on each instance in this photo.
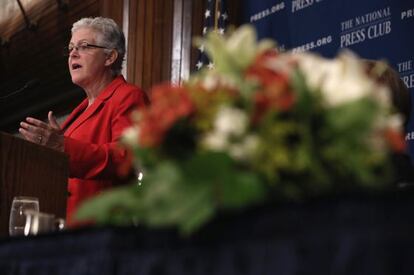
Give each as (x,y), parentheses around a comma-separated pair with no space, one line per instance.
(77,119)
(74,114)
(83,117)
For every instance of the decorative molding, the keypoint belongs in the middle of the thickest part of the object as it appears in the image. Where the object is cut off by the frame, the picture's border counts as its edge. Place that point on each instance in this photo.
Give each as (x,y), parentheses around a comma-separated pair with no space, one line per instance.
(125,29)
(181,41)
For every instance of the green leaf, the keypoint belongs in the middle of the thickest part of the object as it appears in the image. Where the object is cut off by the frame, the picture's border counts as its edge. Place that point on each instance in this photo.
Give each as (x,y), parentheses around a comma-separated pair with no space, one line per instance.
(208,166)
(306,99)
(110,207)
(355,117)
(240,189)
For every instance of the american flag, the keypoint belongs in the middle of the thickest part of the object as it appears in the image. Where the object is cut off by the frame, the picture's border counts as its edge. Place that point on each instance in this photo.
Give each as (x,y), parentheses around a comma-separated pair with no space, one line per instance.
(215,18)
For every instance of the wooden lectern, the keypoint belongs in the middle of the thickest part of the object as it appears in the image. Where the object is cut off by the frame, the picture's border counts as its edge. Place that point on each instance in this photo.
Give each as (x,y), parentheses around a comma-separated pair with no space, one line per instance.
(28,169)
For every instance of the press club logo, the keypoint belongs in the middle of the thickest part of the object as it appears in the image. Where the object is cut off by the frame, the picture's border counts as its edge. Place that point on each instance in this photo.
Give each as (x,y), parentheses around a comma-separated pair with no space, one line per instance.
(369,26)
(298,5)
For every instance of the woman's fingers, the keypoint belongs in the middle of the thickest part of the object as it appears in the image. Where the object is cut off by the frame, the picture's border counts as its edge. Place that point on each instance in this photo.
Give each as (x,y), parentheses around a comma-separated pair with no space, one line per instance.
(30,128)
(31,136)
(48,134)
(52,121)
(35,130)
(36,122)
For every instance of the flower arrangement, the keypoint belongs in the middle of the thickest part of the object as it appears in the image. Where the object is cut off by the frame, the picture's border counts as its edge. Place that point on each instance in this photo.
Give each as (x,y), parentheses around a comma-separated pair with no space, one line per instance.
(260,126)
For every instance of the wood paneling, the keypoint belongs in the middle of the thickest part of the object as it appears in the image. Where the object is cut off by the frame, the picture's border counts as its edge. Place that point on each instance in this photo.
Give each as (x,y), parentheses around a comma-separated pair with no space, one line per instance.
(112,9)
(149,44)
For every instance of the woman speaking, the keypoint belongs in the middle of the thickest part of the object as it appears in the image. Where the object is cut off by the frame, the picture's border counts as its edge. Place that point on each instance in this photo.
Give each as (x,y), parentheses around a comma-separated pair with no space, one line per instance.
(91,132)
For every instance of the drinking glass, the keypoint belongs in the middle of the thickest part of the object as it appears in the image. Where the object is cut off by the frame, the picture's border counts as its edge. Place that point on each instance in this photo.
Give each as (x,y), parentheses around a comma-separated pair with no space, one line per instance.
(38,223)
(17,216)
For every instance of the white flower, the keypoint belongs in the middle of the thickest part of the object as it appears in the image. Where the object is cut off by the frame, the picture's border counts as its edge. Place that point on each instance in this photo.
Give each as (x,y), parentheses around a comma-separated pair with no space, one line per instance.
(284,63)
(130,136)
(212,80)
(382,95)
(392,122)
(215,141)
(383,122)
(243,45)
(395,122)
(244,149)
(340,80)
(231,121)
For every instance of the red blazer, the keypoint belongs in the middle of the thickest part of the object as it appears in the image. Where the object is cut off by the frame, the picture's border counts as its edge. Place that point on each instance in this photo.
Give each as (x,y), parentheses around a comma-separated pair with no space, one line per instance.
(91,136)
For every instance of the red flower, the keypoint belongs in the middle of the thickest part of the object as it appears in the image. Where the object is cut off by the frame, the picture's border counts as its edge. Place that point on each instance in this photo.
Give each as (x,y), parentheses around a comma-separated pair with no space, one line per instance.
(169,104)
(396,140)
(275,92)
(261,72)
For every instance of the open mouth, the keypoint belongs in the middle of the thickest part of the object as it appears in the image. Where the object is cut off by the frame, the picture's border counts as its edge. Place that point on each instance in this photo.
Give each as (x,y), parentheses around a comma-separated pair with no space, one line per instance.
(76,66)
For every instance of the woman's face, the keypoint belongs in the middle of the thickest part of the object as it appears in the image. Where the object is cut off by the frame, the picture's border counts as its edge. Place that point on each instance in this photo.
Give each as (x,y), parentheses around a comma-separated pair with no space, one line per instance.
(86,64)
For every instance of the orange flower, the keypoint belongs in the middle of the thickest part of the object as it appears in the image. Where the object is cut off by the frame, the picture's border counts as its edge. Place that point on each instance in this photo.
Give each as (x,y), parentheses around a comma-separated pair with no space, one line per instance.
(275,92)
(261,72)
(169,104)
(396,140)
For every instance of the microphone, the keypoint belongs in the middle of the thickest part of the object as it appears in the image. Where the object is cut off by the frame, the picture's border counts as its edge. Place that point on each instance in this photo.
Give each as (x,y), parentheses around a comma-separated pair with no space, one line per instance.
(28,85)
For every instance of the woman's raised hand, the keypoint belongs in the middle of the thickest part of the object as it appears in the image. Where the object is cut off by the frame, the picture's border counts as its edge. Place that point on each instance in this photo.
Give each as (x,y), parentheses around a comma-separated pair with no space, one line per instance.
(47,134)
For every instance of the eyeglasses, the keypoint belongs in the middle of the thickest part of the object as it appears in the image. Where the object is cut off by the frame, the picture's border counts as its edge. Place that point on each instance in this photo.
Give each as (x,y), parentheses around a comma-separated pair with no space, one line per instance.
(82,47)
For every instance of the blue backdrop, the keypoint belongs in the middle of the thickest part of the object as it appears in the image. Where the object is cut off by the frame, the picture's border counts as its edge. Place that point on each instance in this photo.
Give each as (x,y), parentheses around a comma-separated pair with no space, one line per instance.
(374,29)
